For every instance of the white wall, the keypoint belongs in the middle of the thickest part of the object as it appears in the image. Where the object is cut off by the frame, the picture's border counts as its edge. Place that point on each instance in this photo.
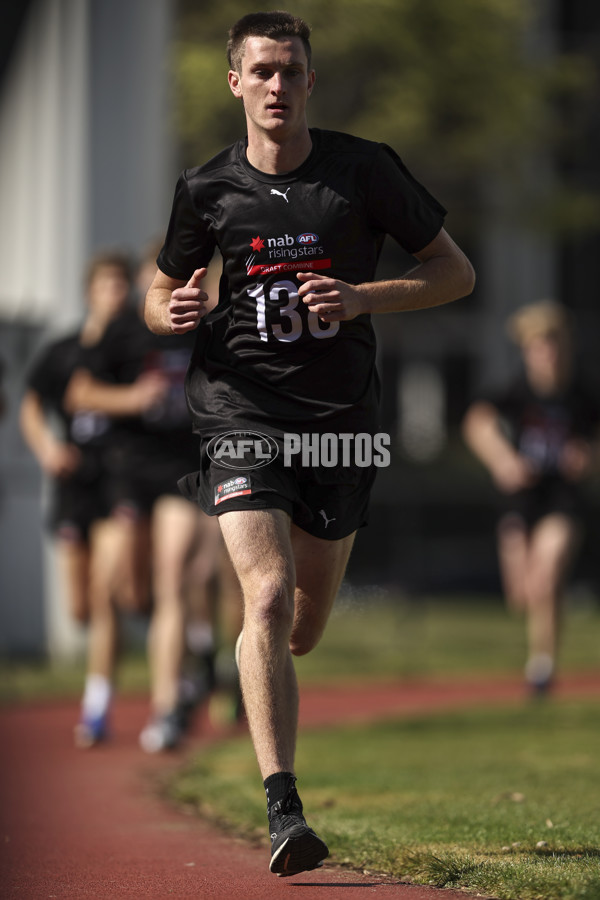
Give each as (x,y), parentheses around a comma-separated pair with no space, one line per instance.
(85,164)
(43,170)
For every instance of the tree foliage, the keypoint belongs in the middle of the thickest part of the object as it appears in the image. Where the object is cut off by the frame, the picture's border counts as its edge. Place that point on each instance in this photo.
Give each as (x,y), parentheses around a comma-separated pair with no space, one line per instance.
(466,91)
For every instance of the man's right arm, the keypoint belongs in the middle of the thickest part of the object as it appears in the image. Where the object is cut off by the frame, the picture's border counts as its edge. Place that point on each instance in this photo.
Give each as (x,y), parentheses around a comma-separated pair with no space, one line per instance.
(57,458)
(173,306)
(481,430)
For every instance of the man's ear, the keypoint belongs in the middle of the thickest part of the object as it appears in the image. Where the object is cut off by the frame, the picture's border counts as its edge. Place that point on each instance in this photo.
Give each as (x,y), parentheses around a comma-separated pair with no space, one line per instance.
(234,83)
(311,81)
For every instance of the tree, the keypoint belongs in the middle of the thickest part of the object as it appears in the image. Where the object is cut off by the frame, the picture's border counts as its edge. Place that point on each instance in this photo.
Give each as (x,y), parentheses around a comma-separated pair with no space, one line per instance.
(466,91)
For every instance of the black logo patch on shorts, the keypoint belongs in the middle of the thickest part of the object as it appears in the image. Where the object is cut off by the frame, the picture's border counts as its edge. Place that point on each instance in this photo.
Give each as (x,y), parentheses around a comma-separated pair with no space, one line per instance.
(233,487)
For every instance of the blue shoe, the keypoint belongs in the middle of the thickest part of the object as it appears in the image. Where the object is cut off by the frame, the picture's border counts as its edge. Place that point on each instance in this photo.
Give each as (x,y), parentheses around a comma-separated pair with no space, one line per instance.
(91,730)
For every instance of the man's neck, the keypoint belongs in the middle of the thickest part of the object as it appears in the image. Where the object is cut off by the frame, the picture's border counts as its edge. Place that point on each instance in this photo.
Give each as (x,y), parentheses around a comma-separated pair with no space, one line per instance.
(274,158)
(92,329)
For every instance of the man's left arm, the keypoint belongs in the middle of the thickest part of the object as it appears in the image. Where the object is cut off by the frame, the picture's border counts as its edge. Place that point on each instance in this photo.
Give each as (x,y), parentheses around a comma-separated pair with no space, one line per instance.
(443,274)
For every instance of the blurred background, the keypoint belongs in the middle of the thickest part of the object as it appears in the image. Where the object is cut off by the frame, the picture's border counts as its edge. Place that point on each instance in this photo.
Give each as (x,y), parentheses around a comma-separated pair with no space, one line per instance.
(494,106)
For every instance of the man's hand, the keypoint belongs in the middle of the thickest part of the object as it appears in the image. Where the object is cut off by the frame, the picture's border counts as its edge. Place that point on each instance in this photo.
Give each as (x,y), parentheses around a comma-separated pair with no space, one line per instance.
(576,460)
(58,459)
(332,300)
(188,304)
(147,391)
(514,473)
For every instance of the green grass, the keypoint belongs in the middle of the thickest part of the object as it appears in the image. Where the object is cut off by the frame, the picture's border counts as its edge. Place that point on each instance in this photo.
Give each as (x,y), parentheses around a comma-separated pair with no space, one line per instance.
(437,637)
(24,680)
(370,636)
(455,800)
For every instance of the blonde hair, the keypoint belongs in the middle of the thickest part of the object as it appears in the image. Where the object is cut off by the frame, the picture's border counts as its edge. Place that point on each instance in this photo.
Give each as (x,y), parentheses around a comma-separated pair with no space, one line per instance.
(538,319)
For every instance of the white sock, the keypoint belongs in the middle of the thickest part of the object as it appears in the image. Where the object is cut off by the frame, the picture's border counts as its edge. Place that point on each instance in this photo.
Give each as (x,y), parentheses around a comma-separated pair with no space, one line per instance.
(539,668)
(96,696)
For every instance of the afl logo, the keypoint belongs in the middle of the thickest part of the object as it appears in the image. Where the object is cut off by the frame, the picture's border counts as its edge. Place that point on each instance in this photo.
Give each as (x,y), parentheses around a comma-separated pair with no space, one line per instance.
(242,450)
(309,237)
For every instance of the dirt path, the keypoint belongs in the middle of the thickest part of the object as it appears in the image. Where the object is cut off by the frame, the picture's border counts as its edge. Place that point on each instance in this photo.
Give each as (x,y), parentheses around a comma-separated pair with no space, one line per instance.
(77,825)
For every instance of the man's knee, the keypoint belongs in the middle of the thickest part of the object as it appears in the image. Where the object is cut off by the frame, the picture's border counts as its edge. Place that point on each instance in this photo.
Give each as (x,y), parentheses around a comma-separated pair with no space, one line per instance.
(270,603)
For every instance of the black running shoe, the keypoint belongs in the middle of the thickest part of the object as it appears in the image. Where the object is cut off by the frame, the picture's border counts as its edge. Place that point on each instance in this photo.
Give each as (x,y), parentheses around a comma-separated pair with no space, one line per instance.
(294,846)
(197,682)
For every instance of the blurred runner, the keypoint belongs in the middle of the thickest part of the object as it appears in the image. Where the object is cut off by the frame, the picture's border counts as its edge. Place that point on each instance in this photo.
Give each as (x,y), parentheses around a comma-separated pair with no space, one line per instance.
(93,548)
(539,439)
(138,378)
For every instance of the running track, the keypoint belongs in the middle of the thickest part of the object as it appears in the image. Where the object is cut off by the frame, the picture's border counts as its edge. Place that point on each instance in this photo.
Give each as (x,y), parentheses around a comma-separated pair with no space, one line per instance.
(77,825)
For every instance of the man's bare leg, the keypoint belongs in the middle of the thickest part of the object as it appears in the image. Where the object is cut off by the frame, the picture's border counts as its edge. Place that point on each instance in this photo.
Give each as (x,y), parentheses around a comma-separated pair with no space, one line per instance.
(103,634)
(260,548)
(552,548)
(73,556)
(320,568)
(270,556)
(175,535)
(513,556)
(174,531)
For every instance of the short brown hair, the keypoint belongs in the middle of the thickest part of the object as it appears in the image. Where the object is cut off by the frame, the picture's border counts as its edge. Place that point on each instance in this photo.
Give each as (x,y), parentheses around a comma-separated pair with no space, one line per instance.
(273,25)
(108,259)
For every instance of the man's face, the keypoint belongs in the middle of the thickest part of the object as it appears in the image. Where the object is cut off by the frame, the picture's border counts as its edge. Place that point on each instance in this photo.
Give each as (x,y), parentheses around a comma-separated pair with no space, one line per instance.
(274,85)
(108,290)
(545,354)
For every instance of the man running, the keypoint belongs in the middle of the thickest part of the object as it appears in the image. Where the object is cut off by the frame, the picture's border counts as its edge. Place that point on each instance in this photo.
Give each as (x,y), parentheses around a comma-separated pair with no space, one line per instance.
(288,356)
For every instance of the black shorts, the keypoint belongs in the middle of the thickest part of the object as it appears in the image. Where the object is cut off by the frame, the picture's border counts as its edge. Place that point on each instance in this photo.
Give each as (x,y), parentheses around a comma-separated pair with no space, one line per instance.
(550,496)
(143,471)
(327,502)
(79,501)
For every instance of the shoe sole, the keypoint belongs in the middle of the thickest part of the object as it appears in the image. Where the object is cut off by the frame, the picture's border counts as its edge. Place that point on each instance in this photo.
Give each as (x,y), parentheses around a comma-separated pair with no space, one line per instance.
(299,854)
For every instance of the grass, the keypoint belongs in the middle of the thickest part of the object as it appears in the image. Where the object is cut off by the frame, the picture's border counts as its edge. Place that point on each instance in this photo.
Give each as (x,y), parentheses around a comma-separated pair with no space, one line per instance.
(459,800)
(370,636)
(26,680)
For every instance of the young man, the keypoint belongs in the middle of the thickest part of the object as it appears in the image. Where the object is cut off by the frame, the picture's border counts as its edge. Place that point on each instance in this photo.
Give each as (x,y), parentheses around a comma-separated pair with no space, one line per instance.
(95,549)
(299,217)
(539,438)
(137,379)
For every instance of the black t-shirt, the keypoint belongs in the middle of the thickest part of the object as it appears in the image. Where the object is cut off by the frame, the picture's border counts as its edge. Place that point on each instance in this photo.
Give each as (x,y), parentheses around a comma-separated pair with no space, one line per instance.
(126,351)
(49,377)
(261,358)
(539,426)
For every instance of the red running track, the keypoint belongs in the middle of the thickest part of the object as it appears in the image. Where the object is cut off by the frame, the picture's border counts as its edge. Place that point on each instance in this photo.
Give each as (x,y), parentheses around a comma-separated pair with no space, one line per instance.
(79,824)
